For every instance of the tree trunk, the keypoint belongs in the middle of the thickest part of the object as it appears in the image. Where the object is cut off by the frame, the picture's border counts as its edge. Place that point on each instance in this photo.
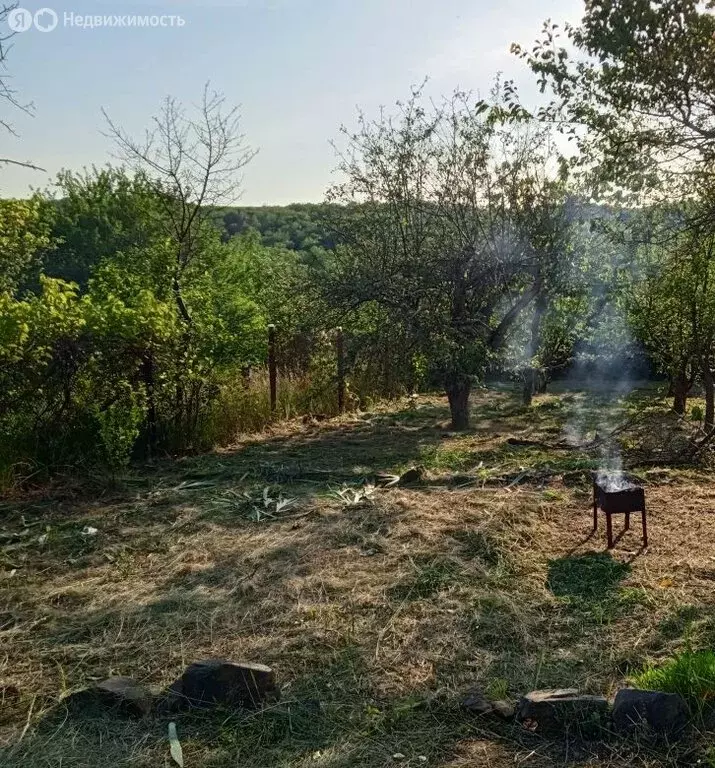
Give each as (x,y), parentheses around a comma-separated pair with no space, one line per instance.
(680,391)
(178,443)
(528,391)
(543,384)
(709,387)
(151,418)
(532,377)
(180,305)
(458,386)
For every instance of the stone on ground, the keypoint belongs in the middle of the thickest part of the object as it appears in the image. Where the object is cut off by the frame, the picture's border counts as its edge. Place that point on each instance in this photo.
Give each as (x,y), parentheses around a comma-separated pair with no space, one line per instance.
(562,710)
(664,713)
(477,703)
(217,682)
(122,695)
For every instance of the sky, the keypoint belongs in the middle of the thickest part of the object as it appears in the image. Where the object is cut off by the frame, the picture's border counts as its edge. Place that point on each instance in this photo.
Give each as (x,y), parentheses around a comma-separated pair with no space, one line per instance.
(299,69)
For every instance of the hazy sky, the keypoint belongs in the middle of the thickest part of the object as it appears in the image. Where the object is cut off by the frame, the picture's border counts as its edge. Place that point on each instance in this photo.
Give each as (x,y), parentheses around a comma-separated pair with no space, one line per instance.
(299,69)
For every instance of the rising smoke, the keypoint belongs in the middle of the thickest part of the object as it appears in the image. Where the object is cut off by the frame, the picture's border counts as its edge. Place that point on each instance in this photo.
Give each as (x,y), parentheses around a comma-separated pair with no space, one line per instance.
(602,374)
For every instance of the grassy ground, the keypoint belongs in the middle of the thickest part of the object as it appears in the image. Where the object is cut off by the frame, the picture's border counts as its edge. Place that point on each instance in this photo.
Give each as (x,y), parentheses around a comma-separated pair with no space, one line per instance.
(376,609)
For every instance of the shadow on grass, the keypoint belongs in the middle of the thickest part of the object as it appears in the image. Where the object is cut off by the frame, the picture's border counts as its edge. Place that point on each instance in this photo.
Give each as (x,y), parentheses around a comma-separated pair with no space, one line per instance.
(330,715)
(342,726)
(309,719)
(594,576)
(430,578)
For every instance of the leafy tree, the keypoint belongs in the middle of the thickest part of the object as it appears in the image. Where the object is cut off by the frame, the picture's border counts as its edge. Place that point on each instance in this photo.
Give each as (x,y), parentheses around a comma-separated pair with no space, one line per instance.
(436,231)
(192,163)
(632,85)
(99,213)
(24,238)
(672,306)
(178,369)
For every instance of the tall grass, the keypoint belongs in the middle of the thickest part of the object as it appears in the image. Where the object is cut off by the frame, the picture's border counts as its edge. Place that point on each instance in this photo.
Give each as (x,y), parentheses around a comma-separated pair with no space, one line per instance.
(244,407)
(691,674)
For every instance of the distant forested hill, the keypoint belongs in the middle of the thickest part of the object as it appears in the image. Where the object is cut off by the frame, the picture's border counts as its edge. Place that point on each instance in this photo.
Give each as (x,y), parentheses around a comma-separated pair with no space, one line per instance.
(298,227)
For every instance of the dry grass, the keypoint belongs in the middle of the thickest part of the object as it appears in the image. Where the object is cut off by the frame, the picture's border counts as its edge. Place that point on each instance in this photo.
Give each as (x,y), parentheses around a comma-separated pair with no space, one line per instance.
(376,615)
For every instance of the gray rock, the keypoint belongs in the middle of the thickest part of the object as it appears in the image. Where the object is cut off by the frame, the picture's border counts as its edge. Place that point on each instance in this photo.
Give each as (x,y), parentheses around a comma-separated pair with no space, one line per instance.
(557,711)
(477,703)
(664,713)
(121,695)
(217,682)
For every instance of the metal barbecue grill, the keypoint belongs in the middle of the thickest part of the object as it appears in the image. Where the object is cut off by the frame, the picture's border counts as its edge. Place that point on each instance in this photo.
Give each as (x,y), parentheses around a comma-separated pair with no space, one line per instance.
(616,494)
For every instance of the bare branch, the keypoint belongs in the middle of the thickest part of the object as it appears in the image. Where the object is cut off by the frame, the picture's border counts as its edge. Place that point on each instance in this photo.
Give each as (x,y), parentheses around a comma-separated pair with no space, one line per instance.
(21,164)
(193,161)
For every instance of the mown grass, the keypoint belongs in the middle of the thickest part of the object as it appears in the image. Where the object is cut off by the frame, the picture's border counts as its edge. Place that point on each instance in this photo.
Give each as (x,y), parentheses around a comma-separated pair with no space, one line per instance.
(377,616)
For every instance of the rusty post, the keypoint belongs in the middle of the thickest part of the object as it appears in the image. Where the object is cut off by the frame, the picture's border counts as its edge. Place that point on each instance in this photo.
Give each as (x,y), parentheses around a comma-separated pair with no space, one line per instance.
(272,373)
(340,346)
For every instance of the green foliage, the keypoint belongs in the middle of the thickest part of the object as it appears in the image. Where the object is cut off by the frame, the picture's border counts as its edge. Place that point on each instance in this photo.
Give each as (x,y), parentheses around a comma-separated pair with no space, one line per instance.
(69,373)
(119,426)
(671,306)
(276,281)
(691,674)
(632,85)
(131,342)
(98,372)
(298,227)
(24,237)
(638,77)
(454,222)
(97,214)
